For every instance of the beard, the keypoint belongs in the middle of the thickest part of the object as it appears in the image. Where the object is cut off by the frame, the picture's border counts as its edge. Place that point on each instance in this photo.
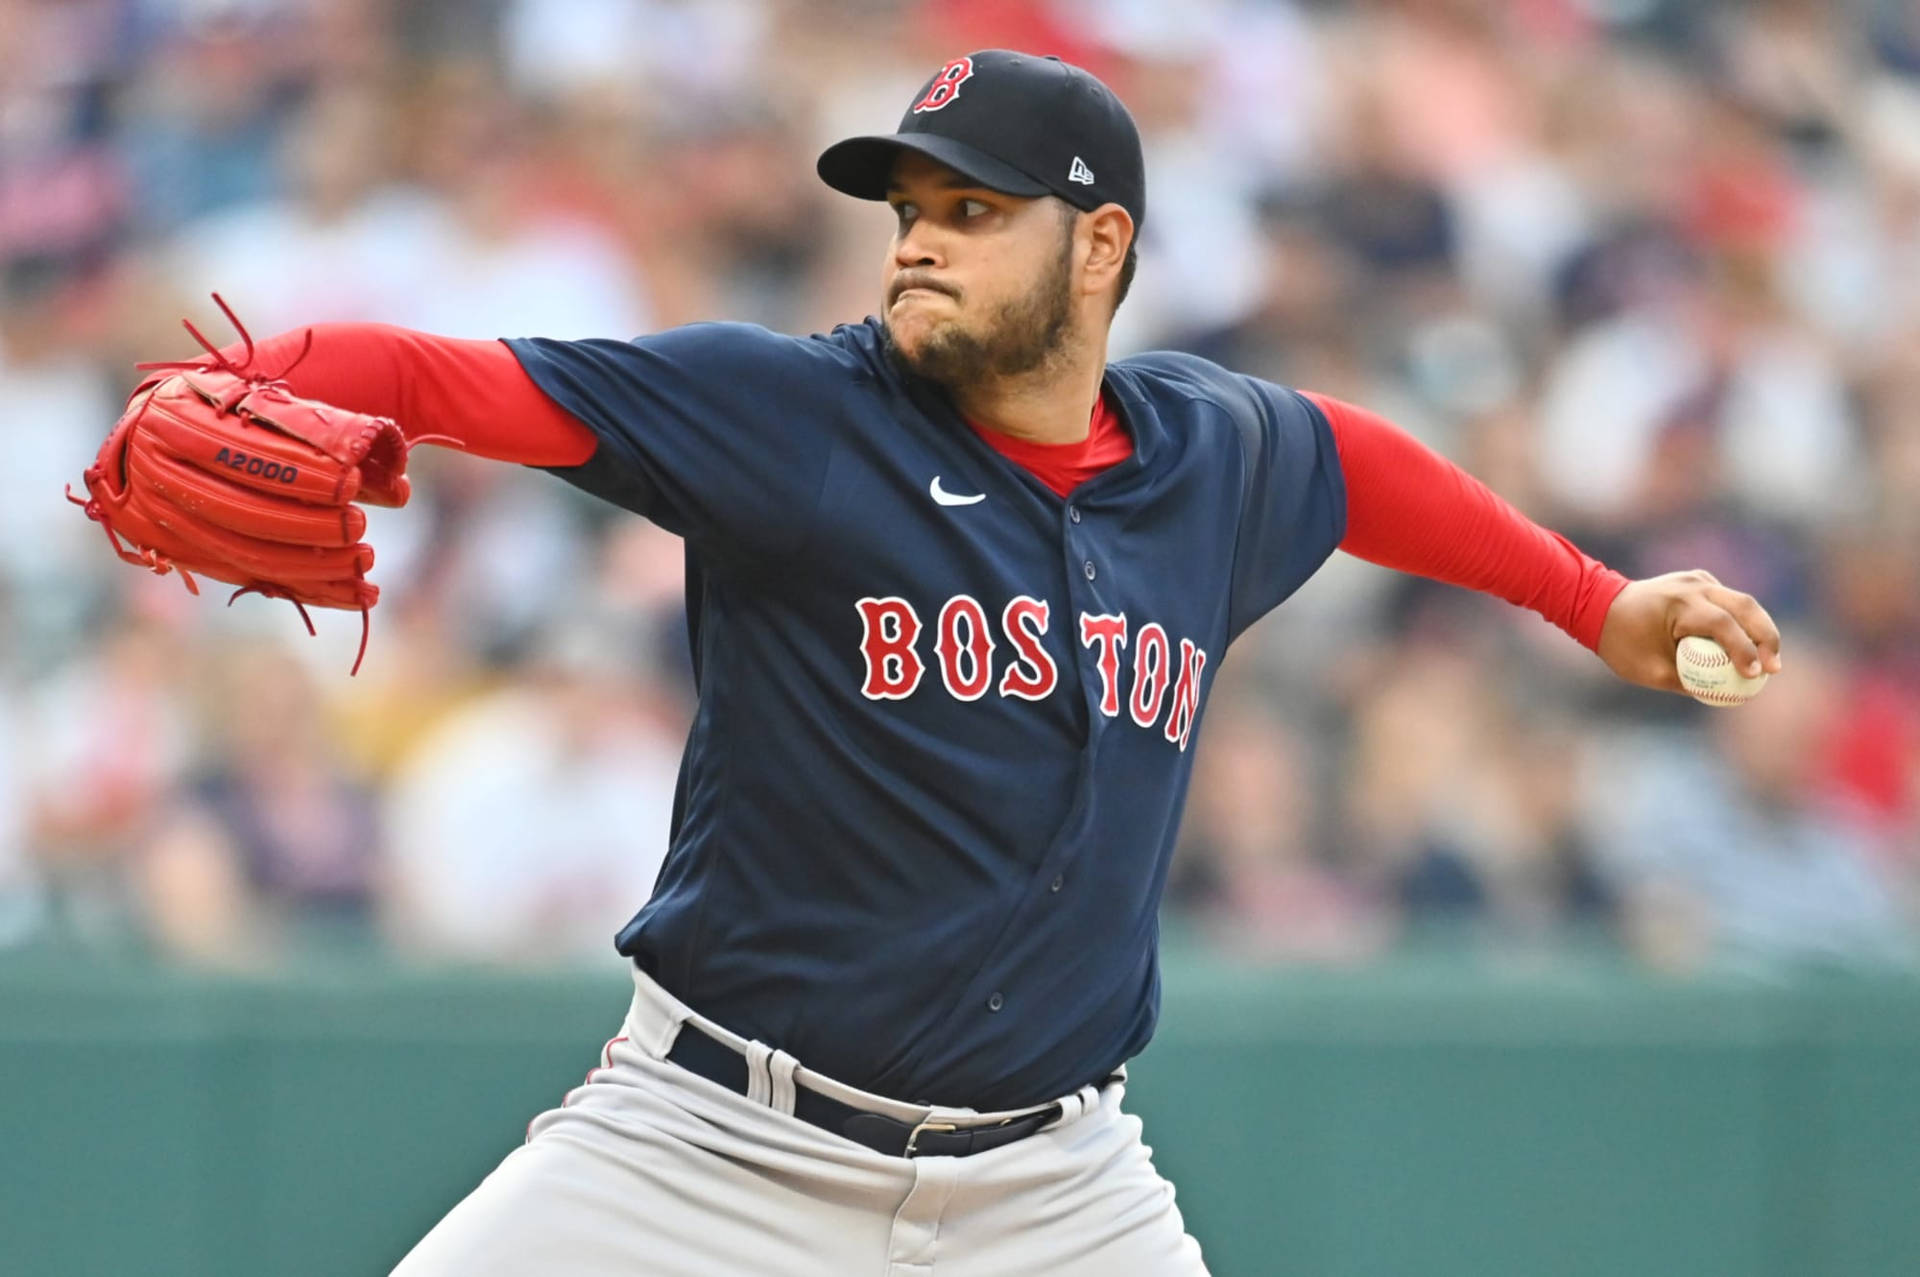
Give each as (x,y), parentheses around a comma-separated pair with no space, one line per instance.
(1020,336)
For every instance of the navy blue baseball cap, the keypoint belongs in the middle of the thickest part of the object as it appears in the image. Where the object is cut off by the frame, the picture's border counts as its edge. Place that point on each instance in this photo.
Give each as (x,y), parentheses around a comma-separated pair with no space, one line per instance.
(1012,122)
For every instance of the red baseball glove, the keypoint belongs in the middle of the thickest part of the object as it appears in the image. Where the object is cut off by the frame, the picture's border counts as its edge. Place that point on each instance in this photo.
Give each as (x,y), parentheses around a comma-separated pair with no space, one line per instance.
(226,473)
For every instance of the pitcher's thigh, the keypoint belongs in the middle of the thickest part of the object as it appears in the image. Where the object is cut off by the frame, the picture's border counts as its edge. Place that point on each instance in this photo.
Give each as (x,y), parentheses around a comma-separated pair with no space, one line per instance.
(554,1205)
(582,1201)
(1104,1211)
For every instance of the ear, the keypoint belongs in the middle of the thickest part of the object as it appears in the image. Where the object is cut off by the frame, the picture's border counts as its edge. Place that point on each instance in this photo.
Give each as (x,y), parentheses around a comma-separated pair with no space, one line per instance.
(1105,235)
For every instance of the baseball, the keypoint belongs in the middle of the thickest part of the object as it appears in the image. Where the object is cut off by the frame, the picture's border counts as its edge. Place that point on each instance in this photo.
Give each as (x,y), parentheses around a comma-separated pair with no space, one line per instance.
(1707,672)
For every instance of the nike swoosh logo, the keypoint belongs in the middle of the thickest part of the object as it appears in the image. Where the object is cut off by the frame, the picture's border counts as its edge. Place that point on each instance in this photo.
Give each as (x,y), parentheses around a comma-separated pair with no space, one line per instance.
(944,497)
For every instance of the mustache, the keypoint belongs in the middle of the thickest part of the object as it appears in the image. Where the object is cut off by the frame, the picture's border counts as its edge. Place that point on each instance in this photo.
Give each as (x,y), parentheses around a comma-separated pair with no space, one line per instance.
(918,279)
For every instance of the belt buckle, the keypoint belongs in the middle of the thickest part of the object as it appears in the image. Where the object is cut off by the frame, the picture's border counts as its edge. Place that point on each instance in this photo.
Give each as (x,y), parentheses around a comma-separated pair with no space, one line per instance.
(913,1136)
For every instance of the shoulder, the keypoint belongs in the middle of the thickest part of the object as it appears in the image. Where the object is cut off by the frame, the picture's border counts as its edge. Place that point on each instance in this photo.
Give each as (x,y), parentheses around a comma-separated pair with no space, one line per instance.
(1174,378)
(735,333)
(725,357)
(1175,375)
(850,347)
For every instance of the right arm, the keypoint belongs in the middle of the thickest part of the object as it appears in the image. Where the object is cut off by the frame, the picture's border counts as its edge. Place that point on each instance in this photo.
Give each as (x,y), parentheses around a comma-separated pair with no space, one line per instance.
(717,432)
(473,395)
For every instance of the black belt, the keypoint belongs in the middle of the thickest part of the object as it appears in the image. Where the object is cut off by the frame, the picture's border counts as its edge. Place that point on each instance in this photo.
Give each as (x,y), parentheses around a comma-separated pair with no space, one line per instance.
(717,1062)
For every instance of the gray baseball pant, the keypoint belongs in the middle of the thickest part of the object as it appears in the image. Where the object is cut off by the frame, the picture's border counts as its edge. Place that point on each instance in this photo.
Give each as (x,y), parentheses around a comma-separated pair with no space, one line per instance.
(647,1168)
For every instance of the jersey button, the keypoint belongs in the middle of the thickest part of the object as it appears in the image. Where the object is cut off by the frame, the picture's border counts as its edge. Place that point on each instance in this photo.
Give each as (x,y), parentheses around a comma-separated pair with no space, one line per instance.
(1059,881)
(1073,513)
(1089,570)
(995,1002)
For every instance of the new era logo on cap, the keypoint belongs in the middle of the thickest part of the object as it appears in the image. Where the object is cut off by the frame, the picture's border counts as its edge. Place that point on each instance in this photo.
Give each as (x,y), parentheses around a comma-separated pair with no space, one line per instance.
(1080,172)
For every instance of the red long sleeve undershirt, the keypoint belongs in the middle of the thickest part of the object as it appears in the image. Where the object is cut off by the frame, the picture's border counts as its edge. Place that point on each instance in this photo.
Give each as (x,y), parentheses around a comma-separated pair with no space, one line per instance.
(473,393)
(1408,508)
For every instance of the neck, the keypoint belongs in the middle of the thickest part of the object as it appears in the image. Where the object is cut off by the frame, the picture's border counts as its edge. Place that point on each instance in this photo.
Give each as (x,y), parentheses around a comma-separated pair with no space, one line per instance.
(1053,404)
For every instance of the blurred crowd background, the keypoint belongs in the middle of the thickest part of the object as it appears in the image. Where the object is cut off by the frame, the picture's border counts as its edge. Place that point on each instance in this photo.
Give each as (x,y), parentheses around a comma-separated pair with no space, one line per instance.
(1649,267)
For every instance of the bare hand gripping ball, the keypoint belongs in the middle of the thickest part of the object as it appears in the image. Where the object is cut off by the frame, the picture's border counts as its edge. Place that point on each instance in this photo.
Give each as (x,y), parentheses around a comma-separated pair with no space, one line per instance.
(1709,676)
(222,471)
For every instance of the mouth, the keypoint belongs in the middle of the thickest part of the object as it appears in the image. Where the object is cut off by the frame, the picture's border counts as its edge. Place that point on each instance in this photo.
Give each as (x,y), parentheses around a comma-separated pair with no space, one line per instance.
(916,290)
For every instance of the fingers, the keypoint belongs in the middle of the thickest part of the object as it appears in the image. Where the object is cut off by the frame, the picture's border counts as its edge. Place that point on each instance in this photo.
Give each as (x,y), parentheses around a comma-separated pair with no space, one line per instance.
(1707,617)
(1757,625)
(1723,628)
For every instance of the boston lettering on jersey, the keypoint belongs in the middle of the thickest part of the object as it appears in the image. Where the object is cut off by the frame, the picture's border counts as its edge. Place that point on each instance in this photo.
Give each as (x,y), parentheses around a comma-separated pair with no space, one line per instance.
(891,630)
(941,746)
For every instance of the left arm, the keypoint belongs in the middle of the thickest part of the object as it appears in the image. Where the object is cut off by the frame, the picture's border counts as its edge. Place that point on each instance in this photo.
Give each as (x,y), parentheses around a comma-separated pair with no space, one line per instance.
(1412,510)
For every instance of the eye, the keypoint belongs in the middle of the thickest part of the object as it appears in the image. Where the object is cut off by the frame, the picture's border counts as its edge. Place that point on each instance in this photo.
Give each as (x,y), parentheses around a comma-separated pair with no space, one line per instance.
(974,208)
(905,212)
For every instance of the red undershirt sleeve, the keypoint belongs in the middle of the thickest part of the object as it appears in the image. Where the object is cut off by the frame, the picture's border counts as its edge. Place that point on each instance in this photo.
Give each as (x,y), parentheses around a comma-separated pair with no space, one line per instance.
(1410,509)
(473,393)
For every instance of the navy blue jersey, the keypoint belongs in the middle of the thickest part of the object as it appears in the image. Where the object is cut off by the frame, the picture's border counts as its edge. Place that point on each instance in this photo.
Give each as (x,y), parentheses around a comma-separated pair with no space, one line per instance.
(945,716)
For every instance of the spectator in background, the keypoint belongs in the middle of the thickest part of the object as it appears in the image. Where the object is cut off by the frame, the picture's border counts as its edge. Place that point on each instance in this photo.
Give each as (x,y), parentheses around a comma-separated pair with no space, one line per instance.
(112,738)
(1462,812)
(1538,867)
(203,113)
(702,56)
(62,193)
(525,827)
(273,845)
(428,668)
(501,550)
(1201,268)
(1732,849)
(50,382)
(1251,870)
(508,263)
(1870,591)
(340,240)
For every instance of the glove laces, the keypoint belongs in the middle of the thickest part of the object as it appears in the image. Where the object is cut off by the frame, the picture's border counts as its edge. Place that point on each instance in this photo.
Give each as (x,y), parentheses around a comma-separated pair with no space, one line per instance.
(244,370)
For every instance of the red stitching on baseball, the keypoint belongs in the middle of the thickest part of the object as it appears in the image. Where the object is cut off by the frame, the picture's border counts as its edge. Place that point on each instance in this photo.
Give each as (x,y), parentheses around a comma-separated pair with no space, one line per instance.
(1710,659)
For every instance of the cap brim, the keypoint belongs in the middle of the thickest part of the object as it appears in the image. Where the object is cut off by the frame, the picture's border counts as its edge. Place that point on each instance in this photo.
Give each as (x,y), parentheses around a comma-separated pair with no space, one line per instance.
(863,166)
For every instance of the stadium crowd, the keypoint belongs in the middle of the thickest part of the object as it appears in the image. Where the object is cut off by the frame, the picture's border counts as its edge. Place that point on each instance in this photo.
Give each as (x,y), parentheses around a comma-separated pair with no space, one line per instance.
(1651,268)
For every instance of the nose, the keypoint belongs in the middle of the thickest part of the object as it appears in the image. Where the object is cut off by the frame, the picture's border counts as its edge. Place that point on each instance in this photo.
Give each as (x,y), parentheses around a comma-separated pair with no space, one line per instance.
(918,245)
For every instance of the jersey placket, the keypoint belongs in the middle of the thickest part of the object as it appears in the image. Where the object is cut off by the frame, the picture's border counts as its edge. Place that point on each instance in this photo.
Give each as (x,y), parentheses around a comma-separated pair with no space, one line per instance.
(1089,591)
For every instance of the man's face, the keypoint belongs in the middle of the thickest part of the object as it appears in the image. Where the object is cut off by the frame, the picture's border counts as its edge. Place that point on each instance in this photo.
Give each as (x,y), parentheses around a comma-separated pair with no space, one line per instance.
(978,284)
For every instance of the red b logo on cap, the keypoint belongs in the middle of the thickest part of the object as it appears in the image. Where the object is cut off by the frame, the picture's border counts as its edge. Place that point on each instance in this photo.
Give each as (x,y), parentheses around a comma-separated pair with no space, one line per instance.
(946,85)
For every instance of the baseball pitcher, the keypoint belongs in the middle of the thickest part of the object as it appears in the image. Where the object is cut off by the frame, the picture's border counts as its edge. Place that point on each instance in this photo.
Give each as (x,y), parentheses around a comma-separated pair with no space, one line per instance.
(957,589)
